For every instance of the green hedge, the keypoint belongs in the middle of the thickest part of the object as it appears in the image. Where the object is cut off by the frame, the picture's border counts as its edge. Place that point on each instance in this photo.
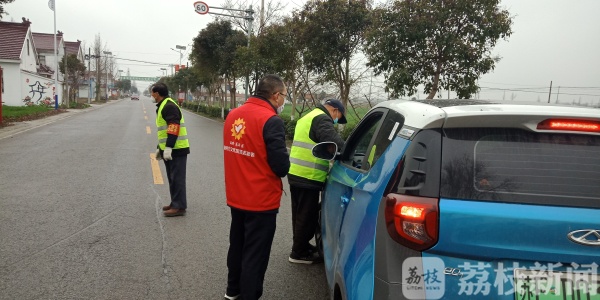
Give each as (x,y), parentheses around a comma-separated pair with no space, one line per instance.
(205,110)
(290,125)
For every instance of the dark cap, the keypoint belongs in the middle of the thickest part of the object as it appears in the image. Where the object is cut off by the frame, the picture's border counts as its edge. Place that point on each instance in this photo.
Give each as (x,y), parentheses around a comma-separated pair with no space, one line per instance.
(338,104)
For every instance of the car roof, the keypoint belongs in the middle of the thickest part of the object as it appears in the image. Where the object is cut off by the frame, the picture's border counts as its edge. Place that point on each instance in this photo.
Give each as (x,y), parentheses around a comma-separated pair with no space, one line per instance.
(460,113)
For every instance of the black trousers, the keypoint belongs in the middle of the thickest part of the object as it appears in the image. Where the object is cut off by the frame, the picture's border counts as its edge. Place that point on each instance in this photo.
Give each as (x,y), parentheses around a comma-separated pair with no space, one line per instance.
(250,239)
(305,217)
(176,174)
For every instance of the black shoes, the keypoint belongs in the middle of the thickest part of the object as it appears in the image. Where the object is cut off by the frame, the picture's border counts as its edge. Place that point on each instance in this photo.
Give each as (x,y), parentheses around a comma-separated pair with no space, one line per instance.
(311,257)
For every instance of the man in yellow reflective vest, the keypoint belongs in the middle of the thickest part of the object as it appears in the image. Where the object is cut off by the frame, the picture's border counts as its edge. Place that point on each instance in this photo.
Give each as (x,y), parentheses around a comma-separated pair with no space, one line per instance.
(307,175)
(173,147)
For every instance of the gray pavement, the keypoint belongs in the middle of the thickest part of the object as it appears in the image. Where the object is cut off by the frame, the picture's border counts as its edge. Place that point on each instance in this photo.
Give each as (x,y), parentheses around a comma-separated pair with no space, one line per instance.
(20,127)
(80,214)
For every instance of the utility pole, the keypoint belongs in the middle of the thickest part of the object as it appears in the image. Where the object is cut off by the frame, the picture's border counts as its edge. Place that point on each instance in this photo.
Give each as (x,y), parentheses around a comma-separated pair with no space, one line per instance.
(1,90)
(89,70)
(53,7)
(66,91)
(107,53)
(262,14)
(98,77)
(550,93)
(557,94)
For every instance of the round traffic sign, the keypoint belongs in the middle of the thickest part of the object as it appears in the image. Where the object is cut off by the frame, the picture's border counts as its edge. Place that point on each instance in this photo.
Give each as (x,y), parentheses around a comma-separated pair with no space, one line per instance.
(201,7)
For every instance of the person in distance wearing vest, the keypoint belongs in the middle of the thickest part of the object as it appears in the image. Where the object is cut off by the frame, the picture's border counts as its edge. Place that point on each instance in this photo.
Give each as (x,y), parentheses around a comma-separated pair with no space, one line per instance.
(308,174)
(255,159)
(173,147)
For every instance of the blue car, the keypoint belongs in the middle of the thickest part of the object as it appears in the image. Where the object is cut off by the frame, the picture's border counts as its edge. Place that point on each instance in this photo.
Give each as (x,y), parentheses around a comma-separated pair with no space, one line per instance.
(465,199)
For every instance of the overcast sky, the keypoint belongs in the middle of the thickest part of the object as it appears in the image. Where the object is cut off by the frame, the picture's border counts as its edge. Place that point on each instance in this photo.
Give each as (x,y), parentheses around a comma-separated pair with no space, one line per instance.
(552,40)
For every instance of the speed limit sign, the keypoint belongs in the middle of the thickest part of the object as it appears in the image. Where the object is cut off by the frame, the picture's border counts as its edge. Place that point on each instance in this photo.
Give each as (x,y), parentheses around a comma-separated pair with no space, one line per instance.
(201,7)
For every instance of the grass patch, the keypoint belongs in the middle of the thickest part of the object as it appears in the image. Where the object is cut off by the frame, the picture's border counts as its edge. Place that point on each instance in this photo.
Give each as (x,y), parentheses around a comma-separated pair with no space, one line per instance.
(20,111)
(11,114)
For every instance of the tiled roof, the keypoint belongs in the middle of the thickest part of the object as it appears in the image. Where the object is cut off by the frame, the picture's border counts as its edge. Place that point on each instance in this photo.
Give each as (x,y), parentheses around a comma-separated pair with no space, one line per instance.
(13,37)
(44,70)
(45,41)
(73,47)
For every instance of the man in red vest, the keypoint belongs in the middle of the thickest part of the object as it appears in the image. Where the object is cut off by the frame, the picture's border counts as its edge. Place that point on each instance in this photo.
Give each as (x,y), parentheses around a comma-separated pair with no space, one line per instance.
(255,158)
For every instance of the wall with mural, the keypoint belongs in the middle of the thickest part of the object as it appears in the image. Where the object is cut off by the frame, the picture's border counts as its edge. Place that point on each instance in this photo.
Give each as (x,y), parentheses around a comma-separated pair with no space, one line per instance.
(36,90)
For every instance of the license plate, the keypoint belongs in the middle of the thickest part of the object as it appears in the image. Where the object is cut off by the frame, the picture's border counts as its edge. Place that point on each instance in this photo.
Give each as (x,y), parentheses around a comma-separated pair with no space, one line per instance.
(551,285)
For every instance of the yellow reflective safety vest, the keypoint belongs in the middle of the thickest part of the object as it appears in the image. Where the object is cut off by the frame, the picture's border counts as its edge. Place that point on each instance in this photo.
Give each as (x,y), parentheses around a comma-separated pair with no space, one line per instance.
(302,162)
(161,132)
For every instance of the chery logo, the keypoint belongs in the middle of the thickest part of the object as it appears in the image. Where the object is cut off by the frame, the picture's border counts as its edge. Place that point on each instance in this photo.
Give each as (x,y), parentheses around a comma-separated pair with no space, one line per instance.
(588,237)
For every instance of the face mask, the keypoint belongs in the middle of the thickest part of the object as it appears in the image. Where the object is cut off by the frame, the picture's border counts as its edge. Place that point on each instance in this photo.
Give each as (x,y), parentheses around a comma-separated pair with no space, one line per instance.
(280,109)
(335,121)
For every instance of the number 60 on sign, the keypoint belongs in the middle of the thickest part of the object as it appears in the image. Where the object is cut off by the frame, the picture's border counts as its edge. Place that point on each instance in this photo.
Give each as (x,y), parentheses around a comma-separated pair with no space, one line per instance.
(201,7)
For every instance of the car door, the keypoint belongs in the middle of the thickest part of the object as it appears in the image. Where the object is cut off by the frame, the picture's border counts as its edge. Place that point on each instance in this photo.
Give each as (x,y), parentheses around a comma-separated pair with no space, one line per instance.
(350,187)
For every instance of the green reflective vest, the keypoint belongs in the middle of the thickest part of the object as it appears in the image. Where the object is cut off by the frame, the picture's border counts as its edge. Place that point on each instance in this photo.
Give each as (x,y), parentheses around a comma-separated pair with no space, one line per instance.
(161,125)
(302,162)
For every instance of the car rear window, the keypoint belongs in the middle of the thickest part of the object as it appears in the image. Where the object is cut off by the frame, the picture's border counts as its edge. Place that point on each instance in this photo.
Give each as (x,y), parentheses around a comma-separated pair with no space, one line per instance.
(513,165)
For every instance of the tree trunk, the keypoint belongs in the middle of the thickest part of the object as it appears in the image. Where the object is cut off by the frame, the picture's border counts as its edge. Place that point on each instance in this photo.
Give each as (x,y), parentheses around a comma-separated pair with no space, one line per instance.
(436,82)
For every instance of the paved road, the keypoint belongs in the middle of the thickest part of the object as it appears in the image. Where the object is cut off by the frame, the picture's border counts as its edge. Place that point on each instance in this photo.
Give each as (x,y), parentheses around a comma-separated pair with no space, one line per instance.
(80,213)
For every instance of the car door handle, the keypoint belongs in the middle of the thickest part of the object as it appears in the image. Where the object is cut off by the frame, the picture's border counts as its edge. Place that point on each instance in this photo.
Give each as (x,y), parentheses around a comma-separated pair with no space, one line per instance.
(345,200)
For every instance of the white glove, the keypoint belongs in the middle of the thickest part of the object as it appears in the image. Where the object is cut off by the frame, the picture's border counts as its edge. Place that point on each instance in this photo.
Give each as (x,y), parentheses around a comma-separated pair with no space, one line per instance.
(157,155)
(167,153)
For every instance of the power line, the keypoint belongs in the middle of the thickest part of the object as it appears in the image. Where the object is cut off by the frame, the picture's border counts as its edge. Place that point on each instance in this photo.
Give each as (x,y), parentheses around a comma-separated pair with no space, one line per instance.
(147,62)
(527,86)
(141,65)
(536,92)
(580,87)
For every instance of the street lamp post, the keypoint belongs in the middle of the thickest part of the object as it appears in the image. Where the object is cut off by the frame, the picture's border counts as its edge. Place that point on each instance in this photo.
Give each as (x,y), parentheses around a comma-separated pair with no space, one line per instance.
(120,76)
(107,53)
(180,54)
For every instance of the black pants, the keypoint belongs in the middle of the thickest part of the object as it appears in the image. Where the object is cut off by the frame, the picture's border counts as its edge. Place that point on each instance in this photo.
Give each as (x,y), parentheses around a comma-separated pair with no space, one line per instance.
(250,239)
(176,175)
(305,217)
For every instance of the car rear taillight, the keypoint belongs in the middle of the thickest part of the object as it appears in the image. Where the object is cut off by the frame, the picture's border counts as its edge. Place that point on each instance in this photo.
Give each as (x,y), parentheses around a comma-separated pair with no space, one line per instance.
(412,221)
(569,125)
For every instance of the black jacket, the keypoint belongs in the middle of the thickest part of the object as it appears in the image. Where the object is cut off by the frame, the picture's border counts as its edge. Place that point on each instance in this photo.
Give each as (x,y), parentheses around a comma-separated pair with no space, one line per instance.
(321,130)
(172,114)
(274,136)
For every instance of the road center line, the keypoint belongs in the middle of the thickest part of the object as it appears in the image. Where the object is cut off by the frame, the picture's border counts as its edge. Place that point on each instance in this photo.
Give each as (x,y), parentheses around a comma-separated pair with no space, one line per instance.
(155,170)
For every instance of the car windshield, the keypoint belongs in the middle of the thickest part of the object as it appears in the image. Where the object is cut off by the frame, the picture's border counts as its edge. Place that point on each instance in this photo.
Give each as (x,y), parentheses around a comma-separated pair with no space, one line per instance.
(519,166)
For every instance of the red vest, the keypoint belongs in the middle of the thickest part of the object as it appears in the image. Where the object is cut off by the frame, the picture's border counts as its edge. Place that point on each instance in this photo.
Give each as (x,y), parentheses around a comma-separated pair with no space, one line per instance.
(250,184)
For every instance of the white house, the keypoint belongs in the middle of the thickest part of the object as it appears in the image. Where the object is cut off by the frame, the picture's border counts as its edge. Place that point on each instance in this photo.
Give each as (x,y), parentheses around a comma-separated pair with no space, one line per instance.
(23,83)
(44,44)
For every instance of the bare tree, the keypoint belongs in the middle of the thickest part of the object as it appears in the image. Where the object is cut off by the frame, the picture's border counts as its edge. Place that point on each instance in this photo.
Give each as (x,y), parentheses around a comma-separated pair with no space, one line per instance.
(101,63)
(271,14)
(97,54)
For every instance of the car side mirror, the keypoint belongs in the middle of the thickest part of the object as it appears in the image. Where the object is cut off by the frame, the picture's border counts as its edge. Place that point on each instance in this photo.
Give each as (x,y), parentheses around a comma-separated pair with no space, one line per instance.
(325,150)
